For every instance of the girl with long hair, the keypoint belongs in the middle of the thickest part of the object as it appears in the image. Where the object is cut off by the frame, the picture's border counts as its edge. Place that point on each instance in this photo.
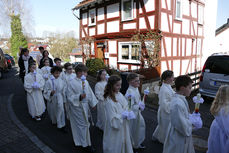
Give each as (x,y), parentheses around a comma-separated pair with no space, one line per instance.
(116,138)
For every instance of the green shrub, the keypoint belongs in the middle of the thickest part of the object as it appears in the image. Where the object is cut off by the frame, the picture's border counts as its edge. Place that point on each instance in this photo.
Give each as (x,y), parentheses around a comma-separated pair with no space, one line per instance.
(94,65)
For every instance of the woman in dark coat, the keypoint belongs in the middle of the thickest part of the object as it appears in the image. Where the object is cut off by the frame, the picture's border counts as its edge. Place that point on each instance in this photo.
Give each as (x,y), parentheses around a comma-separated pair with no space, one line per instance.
(45,55)
(23,63)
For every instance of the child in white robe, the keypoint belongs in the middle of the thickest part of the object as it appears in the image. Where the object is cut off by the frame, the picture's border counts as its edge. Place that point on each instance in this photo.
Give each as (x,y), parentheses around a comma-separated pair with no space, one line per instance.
(67,76)
(54,93)
(34,84)
(80,97)
(163,115)
(218,140)
(46,70)
(116,137)
(179,136)
(99,92)
(137,125)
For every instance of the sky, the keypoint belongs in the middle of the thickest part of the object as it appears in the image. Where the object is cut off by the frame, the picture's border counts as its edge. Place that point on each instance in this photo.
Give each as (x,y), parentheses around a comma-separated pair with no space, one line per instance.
(56,16)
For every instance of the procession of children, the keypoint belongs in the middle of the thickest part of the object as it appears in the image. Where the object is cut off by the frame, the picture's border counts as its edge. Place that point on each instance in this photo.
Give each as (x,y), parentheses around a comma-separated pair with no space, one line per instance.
(68,95)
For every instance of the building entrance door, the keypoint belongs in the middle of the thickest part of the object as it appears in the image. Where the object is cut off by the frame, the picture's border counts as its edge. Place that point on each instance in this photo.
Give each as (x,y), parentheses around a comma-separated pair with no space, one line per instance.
(100,53)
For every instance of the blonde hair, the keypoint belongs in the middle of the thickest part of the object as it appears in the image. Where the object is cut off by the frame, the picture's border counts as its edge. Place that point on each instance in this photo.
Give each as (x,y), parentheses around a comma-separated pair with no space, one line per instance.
(221,100)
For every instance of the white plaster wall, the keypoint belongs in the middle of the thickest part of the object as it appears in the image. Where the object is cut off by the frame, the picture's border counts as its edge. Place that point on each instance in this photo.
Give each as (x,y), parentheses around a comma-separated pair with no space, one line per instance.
(142,23)
(184,66)
(83,35)
(149,5)
(112,47)
(123,67)
(194,9)
(151,21)
(176,67)
(168,45)
(183,46)
(113,10)
(185,6)
(101,29)
(129,26)
(164,66)
(133,67)
(84,18)
(222,43)
(92,31)
(100,13)
(163,4)
(188,47)
(200,31)
(113,26)
(185,26)
(164,22)
(113,62)
(92,48)
(174,46)
(176,28)
(85,29)
(195,28)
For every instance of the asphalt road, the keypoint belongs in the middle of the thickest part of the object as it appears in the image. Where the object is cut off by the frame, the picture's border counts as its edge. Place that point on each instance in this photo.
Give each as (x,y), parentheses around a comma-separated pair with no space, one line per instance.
(63,142)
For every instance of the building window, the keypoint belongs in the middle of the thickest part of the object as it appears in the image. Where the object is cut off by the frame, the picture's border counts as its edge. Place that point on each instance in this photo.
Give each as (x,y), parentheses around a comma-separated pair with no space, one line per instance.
(129,52)
(200,15)
(178,9)
(127,10)
(92,17)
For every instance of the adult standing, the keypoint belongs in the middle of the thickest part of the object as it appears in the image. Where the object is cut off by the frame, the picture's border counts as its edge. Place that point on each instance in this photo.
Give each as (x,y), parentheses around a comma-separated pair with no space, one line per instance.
(45,56)
(23,63)
(39,56)
(163,116)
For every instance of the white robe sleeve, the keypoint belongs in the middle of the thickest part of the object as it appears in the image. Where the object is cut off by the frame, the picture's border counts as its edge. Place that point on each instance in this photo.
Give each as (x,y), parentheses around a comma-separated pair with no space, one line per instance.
(91,97)
(113,118)
(99,92)
(73,97)
(179,121)
(40,81)
(28,83)
(47,90)
(165,100)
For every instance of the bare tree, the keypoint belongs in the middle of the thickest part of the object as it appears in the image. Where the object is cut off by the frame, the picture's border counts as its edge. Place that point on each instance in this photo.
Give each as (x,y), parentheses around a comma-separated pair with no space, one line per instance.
(15,7)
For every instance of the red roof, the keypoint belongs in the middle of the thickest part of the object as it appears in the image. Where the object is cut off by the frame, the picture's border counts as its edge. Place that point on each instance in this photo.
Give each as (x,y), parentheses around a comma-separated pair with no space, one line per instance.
(84,2)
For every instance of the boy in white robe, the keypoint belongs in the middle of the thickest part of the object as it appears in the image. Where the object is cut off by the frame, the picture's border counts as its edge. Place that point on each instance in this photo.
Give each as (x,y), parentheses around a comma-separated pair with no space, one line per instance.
(34,84)
(99,92)
(163,115)
(137,125)
(116,137)
(218,140)
(46,70)
(67,77)
(54,93)
(80,97)
(179,136)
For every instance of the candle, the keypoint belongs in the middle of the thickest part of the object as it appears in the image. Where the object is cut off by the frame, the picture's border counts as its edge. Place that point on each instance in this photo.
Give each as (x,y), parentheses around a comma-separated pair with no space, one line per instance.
(83,78)
(146,92)
(197,100)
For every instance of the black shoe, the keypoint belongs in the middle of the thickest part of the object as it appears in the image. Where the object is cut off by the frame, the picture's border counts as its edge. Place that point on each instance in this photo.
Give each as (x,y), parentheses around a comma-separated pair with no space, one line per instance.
(141,146)
(89,149)
(63,129)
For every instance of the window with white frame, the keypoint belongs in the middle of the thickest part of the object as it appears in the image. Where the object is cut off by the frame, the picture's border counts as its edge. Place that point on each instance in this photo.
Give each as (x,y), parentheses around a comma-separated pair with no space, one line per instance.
(92,17)
(129,52)
(127,10)
(200,15)
(178,9)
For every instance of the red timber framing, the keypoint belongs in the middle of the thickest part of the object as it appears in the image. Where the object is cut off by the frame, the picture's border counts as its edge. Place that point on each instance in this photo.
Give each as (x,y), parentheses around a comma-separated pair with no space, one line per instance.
(168,54)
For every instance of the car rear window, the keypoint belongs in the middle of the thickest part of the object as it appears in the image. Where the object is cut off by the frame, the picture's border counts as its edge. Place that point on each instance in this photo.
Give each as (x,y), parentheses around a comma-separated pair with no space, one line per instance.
(218,64)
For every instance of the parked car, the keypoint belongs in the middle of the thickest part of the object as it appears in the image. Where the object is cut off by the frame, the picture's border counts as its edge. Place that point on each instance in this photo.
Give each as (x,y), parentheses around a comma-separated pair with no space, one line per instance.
(215,73)
(3,63)
(10,60)
(76,63)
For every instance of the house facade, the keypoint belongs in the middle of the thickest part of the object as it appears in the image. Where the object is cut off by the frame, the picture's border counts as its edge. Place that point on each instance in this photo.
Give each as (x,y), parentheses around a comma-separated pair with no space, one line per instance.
(112,24)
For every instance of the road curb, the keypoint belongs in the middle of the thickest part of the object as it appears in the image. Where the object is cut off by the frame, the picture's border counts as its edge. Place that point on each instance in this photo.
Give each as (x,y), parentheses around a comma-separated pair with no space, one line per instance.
(44,148)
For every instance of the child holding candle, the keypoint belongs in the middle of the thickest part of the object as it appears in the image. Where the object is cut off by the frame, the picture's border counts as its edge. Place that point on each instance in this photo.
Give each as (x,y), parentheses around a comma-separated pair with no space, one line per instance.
(80,97)
(218,140)
(99,92)
(179,136)
(163,115)
(116,138)
(137,125)
(54,93)
(46,70)
(34,84)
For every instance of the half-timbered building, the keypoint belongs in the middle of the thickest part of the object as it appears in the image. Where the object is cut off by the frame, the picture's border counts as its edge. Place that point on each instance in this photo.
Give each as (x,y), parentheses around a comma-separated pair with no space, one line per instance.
(112,23)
